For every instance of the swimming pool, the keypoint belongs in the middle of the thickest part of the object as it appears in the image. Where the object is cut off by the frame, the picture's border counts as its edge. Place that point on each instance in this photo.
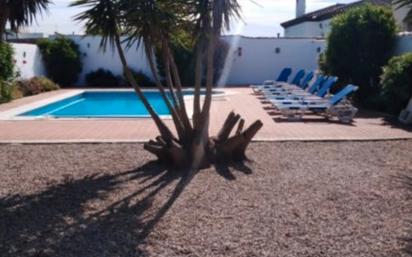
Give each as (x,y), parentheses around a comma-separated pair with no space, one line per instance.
(102,104)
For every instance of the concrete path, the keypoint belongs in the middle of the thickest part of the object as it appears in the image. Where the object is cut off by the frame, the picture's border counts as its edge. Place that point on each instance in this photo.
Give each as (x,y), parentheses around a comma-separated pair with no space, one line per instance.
(242,100)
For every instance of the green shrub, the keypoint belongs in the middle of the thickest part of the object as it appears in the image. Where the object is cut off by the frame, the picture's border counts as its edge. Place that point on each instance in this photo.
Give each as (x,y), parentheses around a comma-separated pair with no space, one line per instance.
(181,45)
(141,78)
(102,78)
(6,61)
(360,43)
(183,52)
(28,88)
(35,86)
(5,91)
(396,81)
(45,83)
(62,59)
(16,92)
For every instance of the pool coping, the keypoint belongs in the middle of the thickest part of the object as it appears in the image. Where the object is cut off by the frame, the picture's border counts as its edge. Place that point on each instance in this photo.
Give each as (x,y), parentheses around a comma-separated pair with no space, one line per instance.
(13,114)
(138,130)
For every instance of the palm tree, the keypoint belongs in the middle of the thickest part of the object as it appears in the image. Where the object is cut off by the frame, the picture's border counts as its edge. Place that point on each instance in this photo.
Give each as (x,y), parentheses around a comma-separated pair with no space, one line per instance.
(106,17)
(152,22)
(19,13)
(405,3)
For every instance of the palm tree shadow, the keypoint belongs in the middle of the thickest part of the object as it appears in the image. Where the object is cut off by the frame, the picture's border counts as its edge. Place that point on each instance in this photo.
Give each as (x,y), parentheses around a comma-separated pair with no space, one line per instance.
(97,215)
(74,219)
(226,169)
(405,181)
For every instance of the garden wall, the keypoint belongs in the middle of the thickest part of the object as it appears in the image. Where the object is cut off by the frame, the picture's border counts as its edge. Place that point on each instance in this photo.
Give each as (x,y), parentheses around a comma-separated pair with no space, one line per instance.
(250,60)
(253,60)
(28,60)
(94,57)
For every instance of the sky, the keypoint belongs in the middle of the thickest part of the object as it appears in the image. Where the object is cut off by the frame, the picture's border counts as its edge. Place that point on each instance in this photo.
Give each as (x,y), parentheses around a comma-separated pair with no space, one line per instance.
(259,17)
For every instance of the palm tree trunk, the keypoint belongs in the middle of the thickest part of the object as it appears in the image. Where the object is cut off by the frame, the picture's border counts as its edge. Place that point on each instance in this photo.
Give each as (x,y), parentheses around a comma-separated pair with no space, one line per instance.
(198,83)
(166,134)
(173,109)
(209,75)
(178,84)
(149,54)
(201,144)
(205,113)
(169,81)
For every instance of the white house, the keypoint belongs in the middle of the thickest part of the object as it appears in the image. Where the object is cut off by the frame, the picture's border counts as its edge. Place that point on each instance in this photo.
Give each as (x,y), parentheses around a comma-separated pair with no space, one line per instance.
(317,23)
(11,35)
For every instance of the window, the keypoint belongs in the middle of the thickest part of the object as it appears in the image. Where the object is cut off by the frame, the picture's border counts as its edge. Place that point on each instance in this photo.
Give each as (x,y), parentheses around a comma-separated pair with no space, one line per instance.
(321,25)
(277,50)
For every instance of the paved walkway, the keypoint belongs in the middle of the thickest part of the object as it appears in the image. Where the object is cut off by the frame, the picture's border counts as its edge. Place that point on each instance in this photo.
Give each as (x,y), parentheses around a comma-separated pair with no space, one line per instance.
(242,100)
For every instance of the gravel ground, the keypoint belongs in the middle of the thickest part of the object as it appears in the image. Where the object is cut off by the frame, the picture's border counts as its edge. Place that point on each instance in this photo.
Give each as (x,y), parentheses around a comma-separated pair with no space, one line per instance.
(293,199)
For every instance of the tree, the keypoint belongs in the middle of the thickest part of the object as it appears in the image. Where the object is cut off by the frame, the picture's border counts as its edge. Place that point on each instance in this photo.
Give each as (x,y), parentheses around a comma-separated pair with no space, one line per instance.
(396,83)
(19,13)
(6,61)
(182,49)
(360,43)
(151,22)
(405,3)
(62,58)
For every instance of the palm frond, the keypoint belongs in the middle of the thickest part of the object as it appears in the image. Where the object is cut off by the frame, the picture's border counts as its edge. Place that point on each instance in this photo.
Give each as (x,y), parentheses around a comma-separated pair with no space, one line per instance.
(402,3)
(102,17)
(23,12)
(405,4)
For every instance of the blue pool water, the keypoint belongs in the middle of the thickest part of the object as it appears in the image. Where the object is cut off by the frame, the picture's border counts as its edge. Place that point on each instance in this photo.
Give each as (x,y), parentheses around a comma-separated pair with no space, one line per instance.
(101,105)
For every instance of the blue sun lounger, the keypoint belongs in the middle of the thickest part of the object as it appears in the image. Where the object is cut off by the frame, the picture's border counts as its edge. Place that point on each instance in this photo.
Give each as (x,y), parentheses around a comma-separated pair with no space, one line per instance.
(298,78)
(320,87)
(284,75)
(305,82)
(282,78)
(332,107)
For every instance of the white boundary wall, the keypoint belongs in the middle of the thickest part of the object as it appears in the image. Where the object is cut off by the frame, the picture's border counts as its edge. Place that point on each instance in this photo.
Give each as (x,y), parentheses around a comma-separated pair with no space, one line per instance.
(253,60)
(250,60)
(94,57)
(28,60)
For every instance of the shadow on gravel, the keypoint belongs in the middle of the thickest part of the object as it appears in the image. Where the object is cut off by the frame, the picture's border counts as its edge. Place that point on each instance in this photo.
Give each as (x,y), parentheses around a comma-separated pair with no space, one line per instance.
(406,182)
(66,219)
(225,170)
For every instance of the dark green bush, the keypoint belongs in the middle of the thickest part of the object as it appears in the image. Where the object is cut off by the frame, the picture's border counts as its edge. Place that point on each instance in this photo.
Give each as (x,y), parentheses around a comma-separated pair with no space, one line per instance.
(360,43)
(183,52)
(62,58)
(141,78)
(396,83)
(6,90)
(35,86)
(6,61)
(181,45)
(102,78)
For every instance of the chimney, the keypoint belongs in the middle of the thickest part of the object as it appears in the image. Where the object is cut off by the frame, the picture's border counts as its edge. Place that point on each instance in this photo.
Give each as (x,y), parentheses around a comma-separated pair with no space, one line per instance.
(300,8)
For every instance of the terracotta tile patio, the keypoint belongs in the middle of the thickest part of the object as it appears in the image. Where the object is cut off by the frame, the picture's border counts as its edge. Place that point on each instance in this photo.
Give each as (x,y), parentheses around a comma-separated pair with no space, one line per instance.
(241,100)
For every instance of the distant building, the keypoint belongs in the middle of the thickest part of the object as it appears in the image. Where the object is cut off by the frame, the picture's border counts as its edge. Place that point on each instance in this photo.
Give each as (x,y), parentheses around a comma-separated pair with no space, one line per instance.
(317,23)
(23,35)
